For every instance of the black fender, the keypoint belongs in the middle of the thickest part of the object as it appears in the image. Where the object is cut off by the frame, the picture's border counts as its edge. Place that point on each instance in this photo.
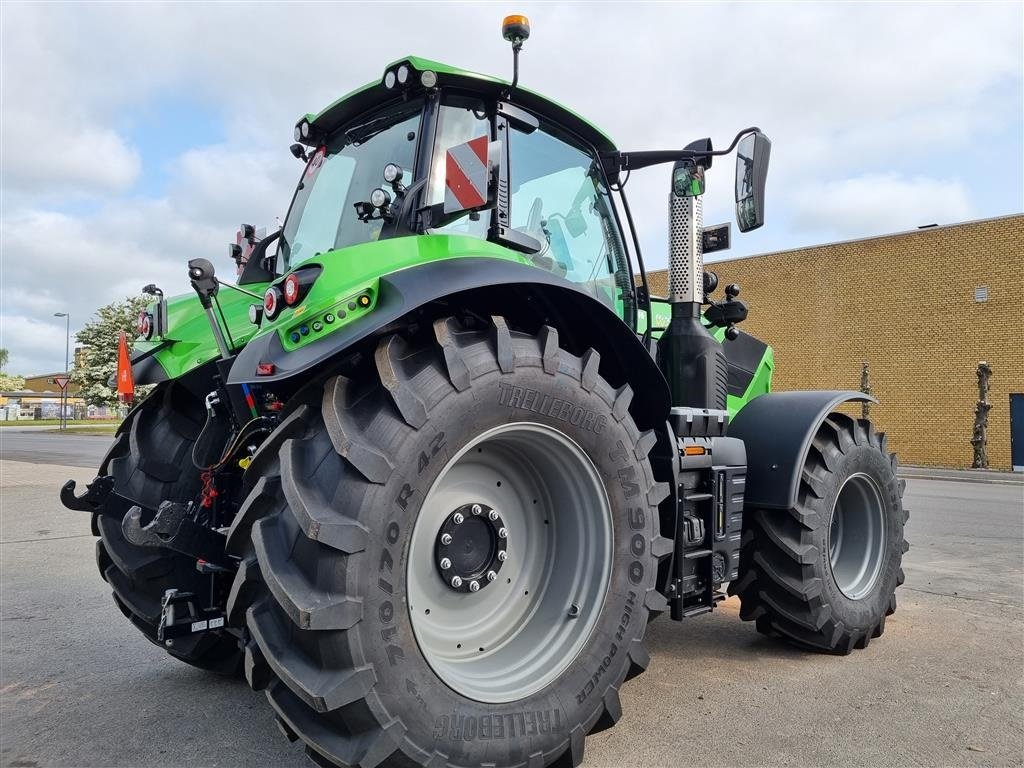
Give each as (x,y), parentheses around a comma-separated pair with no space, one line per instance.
(528,296)
(777,429)
(146,369)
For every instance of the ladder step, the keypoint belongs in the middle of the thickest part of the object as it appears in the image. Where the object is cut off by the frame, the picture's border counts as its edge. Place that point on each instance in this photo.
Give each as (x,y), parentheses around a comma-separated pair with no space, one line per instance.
(696,611)
(697,554)
(698,496)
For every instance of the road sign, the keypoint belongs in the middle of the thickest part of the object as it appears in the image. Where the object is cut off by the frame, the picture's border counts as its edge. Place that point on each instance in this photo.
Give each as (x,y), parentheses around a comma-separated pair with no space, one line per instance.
(61,381)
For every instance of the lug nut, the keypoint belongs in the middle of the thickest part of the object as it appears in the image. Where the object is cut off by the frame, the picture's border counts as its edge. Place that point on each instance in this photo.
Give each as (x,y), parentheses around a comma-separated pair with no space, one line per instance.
(493,516)
(502,556)
(491,575)
(456,581)
(474,586)
(476,509)
(446,539)
(502,533)
(445,563)
(458,519)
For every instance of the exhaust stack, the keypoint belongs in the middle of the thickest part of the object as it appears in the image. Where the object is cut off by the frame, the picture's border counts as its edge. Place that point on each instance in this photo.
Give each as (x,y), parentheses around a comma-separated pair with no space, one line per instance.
(691,359)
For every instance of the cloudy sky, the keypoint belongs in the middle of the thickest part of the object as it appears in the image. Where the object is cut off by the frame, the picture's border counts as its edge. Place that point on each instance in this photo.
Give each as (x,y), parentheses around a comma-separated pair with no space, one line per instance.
(137,136)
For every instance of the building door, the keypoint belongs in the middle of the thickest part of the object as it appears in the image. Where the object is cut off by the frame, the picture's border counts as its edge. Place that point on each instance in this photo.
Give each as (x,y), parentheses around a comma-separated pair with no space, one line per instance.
(1017,432)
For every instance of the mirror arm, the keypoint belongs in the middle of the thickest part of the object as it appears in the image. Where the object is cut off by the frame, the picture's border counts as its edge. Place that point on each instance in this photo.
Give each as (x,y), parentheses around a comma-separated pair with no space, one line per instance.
(628,161)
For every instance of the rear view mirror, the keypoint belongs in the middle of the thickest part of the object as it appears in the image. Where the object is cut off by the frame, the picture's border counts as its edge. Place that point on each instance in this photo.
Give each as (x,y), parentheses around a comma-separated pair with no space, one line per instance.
(687,180)
(751,173)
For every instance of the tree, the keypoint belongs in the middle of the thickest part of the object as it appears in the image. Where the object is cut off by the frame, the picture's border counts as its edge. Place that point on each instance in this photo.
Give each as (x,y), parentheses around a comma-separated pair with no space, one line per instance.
(100,336)
(8,382)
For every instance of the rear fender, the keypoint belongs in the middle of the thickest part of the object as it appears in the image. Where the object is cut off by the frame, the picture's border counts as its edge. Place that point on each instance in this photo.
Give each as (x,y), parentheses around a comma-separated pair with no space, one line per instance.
(526,296)
(777,430)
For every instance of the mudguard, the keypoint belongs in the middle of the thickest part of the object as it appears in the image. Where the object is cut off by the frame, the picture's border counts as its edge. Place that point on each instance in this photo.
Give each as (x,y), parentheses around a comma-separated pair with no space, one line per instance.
(499,286)
(777,429)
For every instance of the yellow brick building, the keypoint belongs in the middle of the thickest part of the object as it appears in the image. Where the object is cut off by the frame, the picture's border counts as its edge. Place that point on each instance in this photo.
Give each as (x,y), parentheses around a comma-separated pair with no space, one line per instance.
(922,308)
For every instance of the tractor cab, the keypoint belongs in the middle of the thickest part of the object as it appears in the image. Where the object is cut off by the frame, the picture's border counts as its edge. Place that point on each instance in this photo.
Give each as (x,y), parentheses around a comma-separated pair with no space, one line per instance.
(435,150)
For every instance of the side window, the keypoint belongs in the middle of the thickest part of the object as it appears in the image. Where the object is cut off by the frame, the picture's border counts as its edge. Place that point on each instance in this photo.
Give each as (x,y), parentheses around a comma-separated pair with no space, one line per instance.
(559,199)
(460,120)
(328,183)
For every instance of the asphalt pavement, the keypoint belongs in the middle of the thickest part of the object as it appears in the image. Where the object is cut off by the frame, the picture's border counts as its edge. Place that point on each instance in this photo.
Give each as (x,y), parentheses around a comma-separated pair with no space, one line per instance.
(46,446)
(944,685)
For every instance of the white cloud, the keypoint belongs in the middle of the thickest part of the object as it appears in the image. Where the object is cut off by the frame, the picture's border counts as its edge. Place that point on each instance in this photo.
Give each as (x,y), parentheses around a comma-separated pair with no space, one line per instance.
(880,203)
(866,105)
(66,159)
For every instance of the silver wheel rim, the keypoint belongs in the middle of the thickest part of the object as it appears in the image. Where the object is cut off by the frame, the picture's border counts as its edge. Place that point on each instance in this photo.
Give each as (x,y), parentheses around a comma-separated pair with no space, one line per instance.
(856,540)
(520,631)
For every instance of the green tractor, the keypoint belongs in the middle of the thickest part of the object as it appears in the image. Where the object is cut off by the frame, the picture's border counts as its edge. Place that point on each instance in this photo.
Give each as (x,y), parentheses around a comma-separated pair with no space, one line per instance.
(427,471)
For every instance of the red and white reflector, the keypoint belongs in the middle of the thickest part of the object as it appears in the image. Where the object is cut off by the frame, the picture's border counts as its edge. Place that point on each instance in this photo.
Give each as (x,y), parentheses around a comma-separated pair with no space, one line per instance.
(144,325)
(467,172)
(291,289)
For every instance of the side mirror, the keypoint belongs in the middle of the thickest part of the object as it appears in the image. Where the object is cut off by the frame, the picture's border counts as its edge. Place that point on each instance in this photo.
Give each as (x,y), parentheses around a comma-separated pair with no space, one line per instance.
(468,172)
(751,173)
(687,180)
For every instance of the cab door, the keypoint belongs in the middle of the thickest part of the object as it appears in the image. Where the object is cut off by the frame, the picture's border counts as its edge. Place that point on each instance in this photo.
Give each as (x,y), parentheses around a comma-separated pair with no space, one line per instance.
(559,197)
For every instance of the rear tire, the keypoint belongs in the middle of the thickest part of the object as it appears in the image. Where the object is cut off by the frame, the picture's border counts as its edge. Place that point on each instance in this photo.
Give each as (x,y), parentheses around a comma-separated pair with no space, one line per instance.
(329,540)
(151,462)
(824,573)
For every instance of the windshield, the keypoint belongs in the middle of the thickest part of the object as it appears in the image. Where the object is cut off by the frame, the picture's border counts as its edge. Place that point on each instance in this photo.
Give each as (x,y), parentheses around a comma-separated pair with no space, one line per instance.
(343,173)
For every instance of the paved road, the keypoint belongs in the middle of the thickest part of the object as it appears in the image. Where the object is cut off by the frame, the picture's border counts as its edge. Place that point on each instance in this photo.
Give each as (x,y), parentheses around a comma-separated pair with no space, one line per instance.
(79,687)
(43,446)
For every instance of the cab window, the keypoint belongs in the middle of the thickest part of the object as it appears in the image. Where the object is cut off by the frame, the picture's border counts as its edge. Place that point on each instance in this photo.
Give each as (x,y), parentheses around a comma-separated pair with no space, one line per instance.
(459,120)
(340,174)
(559,198)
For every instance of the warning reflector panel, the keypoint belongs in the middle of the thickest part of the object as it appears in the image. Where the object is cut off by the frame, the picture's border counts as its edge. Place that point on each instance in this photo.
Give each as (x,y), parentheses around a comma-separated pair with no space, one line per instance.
(466,175)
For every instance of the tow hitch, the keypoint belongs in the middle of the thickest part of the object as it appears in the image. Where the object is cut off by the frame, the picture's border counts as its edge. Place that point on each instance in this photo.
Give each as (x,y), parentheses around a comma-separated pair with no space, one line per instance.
(99,498)
(173,528)
(170,526)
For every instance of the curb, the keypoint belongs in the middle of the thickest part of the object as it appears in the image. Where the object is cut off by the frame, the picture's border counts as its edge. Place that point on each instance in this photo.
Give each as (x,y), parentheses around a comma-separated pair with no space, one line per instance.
(962,476)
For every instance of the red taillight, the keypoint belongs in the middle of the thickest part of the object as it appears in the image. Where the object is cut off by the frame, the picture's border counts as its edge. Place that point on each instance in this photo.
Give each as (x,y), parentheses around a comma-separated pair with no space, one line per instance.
(291,289)
(270,302)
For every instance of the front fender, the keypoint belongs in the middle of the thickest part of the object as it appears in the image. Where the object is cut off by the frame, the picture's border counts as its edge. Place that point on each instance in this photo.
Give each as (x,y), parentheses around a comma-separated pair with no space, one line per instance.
(777,429)
(498,286)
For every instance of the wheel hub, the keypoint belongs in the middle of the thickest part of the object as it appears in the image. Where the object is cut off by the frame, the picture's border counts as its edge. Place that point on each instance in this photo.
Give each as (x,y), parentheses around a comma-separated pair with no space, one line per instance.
(470,547)
(527,628)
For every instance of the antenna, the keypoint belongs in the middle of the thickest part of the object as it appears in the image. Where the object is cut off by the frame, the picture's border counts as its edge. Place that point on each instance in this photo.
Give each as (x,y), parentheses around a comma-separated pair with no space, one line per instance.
(515,29)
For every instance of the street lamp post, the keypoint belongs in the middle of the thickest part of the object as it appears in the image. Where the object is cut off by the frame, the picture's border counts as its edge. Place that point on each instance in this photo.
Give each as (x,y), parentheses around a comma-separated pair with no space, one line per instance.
(67,349)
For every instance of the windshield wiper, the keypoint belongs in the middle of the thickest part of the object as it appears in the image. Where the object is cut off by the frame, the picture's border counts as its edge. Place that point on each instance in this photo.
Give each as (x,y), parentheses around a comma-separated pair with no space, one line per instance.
(369,129)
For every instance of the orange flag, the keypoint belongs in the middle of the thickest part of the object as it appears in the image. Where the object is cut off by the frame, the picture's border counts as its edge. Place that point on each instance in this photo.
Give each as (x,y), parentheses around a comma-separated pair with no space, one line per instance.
(125,383)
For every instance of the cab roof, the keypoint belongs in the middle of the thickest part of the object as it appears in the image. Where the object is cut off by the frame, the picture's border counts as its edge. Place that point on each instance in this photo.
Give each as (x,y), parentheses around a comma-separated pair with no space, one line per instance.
(376,94)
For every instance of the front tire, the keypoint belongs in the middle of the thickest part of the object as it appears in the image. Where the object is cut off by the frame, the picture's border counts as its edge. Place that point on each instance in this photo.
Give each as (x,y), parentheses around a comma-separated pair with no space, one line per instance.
(366,651)
(824,573)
